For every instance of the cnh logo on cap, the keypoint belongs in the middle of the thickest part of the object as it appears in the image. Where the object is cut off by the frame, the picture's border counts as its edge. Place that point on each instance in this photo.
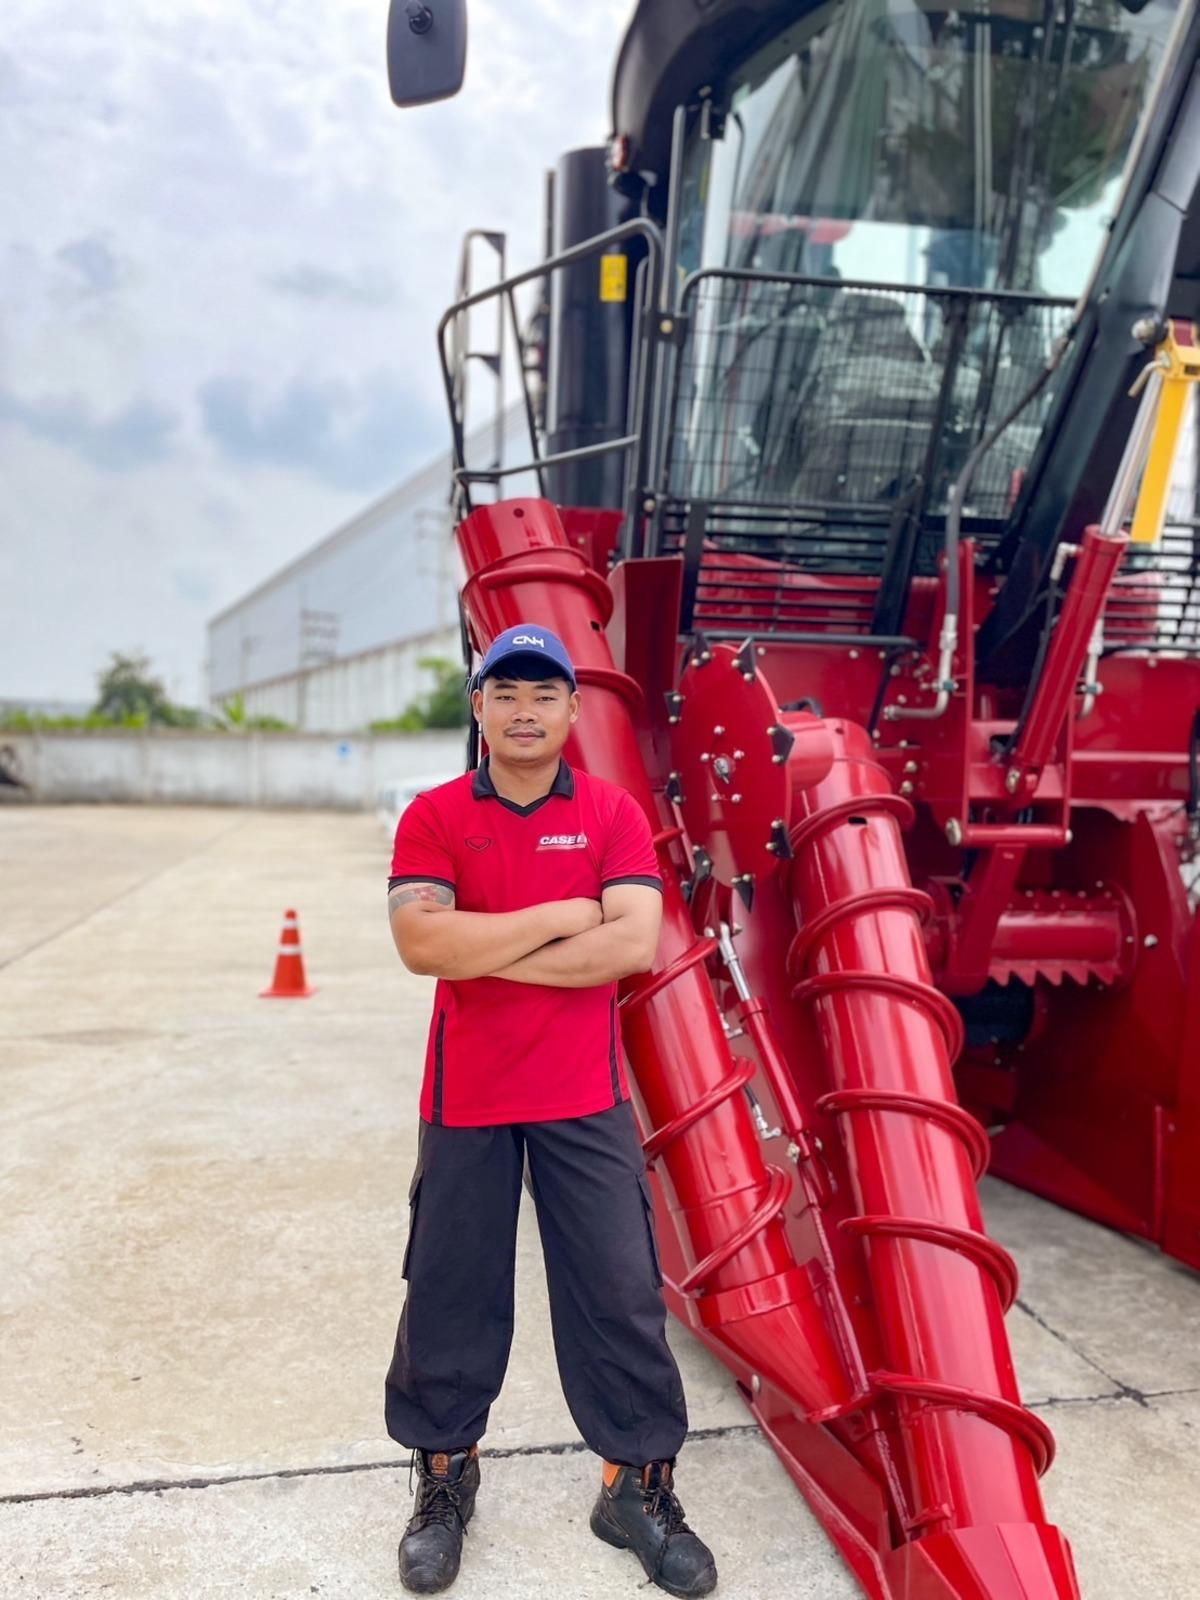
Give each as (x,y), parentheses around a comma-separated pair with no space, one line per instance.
(527,638)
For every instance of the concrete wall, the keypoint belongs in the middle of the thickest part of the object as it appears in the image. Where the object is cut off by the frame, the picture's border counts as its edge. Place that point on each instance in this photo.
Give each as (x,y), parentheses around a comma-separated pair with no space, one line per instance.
(165,766)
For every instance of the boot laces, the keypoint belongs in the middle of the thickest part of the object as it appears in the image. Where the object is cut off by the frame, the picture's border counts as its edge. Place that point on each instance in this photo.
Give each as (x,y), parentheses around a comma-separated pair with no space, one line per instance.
(438,1500)
(662,1504)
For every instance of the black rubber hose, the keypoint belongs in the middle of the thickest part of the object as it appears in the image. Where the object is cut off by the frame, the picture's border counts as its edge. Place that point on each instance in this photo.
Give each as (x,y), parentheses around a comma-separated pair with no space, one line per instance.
(885,677)
(1053,596)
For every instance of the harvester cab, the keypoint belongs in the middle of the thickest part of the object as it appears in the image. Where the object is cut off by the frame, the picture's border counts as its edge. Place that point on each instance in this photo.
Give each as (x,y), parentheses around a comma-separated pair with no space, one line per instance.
(864,447)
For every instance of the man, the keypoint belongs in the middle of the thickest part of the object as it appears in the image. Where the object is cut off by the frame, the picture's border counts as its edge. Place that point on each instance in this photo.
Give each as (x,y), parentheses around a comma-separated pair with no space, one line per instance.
(528,888)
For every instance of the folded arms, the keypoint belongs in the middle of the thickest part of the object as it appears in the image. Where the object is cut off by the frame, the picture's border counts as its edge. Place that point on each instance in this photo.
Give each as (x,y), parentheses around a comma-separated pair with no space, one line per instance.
(574,943)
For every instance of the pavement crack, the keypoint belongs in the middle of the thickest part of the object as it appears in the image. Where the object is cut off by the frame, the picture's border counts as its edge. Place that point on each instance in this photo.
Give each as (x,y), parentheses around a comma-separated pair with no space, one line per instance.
(1123,1396)
(1124,1389)
(158,1486)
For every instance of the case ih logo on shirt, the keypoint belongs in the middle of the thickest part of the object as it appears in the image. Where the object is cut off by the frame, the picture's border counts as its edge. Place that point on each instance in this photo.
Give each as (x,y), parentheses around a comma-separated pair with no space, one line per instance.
(562,841)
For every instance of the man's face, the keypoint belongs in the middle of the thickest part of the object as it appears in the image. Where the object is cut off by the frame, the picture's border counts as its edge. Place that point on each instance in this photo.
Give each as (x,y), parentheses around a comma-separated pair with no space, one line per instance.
(524,722)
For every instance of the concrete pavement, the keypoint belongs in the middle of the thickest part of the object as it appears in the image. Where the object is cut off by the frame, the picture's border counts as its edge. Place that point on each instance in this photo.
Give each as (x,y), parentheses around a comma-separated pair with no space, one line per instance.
(204,1203)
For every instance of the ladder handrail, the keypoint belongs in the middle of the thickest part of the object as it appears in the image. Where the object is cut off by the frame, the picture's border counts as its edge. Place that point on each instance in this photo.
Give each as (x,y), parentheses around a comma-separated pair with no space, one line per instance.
(636,441)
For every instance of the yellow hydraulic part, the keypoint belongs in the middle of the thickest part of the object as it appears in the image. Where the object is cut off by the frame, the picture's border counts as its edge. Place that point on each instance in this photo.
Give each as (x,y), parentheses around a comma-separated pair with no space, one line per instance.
(1176,366)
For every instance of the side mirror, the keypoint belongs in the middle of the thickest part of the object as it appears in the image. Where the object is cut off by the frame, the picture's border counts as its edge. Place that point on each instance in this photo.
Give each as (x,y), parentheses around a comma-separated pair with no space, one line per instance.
(426,49)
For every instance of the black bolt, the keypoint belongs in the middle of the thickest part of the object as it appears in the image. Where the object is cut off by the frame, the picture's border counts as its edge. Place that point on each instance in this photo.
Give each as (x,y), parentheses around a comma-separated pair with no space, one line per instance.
(420,17)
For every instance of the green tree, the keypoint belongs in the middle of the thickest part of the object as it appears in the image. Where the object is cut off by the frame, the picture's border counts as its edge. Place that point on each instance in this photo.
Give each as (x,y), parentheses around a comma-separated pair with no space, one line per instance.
(129,696)
(233,710)
(235,717)
(443,706)
(127,693)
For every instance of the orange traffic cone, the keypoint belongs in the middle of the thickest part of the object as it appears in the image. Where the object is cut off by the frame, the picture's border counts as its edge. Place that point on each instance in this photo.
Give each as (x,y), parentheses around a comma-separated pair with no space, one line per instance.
(288,982)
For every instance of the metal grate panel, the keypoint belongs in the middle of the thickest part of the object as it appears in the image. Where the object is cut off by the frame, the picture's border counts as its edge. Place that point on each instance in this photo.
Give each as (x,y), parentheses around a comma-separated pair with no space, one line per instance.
(775,571)
(1155,600)
(838,395)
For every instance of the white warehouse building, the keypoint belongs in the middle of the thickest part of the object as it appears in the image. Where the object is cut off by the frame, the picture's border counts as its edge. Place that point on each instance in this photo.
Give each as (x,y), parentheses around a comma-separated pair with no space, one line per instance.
(332,642)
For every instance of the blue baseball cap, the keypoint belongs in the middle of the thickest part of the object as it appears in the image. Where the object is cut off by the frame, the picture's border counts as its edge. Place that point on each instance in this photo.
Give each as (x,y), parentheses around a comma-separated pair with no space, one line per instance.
(527,639)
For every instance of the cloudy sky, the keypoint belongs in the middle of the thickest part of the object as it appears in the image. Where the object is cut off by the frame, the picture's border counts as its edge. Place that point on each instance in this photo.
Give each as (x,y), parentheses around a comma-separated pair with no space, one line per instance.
(223,253)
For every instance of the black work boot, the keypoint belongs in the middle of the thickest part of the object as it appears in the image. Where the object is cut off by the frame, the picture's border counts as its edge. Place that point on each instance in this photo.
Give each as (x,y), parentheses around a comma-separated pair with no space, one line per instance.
(639,1512)
(432,1544)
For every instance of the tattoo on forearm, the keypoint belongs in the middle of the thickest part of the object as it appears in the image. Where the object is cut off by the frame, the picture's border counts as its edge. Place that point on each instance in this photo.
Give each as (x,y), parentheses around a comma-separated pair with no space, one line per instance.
(404,893)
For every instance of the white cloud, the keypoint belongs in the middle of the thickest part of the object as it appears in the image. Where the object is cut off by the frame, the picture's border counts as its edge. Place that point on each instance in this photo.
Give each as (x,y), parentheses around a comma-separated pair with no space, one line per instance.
(136,435)
(223,247)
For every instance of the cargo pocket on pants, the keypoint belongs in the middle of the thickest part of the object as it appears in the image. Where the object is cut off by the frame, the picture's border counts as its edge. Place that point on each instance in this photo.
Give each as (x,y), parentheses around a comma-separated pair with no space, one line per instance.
(648,1206)
(414,1196)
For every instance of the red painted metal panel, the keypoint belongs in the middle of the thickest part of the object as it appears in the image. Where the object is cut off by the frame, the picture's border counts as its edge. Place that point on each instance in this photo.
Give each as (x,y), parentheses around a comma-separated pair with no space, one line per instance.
(1180,1152)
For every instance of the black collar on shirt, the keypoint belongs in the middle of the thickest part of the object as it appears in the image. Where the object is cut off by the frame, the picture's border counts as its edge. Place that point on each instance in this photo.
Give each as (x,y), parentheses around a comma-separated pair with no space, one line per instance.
(482,788)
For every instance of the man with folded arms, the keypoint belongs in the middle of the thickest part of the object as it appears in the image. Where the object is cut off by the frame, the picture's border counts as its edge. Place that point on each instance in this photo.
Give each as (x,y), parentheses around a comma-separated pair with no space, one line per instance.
(528,888)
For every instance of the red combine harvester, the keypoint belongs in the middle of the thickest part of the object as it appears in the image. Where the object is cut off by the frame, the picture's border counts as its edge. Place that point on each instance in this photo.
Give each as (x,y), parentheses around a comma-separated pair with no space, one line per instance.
(857,353)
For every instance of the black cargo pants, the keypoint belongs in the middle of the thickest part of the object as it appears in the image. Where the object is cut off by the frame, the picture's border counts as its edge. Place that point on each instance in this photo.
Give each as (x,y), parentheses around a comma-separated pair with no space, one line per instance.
(606,1307)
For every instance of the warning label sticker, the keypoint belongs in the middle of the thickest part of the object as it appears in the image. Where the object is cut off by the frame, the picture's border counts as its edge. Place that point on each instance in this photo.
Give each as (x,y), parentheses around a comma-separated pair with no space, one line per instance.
(614,277)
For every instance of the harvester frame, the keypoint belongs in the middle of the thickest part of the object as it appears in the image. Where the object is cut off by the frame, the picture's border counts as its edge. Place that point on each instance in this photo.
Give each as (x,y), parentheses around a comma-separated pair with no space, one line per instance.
(921,757)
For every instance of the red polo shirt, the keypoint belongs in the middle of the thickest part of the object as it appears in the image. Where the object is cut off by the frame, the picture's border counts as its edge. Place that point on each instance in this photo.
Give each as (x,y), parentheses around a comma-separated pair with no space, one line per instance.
(522,1052)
